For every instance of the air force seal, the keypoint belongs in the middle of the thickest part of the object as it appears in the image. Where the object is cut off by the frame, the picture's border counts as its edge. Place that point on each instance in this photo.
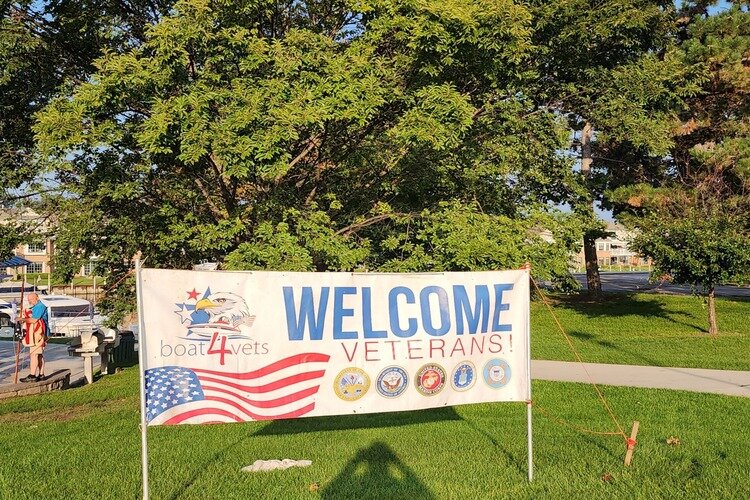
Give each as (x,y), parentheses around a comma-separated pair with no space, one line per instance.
(464,376)
(351,384)
(430,379)
(496,373)
(392,382)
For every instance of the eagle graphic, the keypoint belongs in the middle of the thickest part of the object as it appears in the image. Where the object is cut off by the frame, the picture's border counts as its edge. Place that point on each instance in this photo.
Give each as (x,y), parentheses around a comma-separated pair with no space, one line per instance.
(226,308)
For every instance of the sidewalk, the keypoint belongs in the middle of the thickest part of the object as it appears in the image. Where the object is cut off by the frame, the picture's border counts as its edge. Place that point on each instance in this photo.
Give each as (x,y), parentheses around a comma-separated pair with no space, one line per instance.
(55,358)
(732,383)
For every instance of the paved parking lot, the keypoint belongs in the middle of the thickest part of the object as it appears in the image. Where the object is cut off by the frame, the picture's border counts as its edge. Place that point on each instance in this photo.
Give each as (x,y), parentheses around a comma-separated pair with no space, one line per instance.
(55,357)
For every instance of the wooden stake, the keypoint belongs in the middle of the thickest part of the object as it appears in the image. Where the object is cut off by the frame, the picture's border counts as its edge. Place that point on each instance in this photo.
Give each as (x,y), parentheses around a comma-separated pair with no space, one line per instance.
(631,443)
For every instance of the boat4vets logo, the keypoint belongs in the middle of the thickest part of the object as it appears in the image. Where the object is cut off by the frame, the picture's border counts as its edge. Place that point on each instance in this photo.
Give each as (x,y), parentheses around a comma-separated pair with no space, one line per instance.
(392,382)
(351,384)
(205,314)
(430,379)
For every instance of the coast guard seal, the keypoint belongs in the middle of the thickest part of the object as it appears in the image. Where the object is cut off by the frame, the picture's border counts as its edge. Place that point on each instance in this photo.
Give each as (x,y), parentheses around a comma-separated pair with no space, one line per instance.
(496,373)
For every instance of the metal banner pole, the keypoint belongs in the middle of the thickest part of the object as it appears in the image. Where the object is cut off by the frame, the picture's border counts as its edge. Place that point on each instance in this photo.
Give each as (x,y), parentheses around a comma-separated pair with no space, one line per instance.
(142,369)
(528,371)
(23,322)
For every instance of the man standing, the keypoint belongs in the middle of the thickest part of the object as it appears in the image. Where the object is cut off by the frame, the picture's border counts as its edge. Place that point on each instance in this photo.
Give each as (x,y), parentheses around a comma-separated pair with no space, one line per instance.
(37,325)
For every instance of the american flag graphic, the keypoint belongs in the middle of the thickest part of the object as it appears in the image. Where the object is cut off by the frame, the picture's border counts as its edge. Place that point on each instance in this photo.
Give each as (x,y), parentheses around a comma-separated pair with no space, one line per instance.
(283,389)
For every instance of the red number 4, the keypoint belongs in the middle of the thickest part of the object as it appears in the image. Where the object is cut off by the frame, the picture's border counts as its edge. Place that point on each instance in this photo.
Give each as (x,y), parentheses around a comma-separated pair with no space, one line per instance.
(221,351)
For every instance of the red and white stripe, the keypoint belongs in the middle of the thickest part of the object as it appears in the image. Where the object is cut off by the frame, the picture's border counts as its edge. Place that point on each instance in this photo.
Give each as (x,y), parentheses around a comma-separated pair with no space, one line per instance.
(283,389)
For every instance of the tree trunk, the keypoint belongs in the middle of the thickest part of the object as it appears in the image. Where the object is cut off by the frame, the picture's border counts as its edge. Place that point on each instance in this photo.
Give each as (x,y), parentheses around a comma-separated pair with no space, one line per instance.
(712,328)
(593,280)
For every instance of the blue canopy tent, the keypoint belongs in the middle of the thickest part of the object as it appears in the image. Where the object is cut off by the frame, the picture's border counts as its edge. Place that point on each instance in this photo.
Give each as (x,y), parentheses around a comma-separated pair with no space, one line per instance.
(14,261)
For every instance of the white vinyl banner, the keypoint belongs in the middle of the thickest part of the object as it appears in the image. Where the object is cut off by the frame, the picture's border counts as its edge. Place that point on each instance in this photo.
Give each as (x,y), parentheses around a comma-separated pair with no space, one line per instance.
(238,346)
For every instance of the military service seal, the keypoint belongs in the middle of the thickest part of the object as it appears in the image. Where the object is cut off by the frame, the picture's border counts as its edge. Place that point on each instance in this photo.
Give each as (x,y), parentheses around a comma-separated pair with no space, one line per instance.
(430,379)
(351,384)
(496,373)
(392,382)
(464,376)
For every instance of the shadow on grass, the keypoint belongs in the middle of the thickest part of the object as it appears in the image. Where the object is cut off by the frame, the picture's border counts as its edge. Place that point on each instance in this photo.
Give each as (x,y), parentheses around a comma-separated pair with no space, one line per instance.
(215,457)
(588,337)
(599,443)
(376,472)
(366,421)
(517,462)
(618,305)
(646,360)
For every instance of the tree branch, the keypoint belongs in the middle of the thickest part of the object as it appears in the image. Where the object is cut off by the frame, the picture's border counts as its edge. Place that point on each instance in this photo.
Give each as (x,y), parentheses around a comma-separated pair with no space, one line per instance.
(311,144)
(353,228)
(31,195)
(215,210)
(226,193)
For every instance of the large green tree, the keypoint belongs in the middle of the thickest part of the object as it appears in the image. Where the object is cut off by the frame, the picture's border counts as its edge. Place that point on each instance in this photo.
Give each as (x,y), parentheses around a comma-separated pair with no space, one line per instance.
(330,135)
(373,135)
(46,47)
(608,68)
(694,218)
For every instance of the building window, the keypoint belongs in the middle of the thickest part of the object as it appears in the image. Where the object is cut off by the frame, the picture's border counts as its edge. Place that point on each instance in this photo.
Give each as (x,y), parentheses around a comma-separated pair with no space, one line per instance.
(34,267)
(36,248)
(88,268)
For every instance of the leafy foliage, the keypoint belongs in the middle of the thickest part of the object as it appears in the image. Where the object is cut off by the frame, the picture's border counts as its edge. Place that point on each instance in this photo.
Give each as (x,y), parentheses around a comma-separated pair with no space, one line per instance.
(325,136)
(696,244)
(46,47)
(381,134)
(695,223)
(694,218)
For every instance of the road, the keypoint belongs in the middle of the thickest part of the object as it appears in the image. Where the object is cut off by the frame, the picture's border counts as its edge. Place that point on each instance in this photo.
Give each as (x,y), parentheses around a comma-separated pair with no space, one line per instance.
(638,282)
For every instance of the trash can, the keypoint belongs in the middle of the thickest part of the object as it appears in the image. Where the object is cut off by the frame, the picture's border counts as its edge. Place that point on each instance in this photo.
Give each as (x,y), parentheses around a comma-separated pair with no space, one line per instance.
(124,354)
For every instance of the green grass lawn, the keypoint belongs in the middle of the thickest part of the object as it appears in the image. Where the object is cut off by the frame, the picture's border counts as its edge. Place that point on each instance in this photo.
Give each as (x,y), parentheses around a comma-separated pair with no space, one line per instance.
(643,329)
(85,443)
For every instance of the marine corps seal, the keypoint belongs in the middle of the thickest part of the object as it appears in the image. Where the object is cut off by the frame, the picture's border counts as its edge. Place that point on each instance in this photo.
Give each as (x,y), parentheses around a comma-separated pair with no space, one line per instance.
(430,379)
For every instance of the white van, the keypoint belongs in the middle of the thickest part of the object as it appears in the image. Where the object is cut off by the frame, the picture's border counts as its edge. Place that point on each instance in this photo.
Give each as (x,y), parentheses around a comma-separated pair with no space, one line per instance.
(68,316)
